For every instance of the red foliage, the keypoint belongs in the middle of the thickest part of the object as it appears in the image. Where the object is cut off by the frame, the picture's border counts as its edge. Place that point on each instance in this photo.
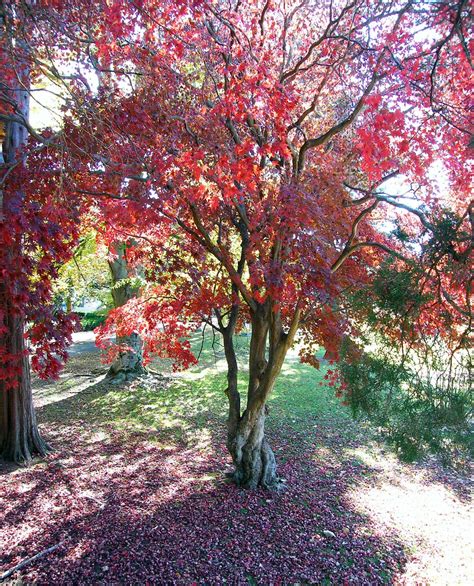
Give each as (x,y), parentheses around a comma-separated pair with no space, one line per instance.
(244,149)
(159,329)
(251,167)
(38,232)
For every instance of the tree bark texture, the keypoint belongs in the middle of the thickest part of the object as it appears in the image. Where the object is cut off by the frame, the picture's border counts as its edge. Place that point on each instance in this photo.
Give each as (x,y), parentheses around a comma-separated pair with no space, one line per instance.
(129,362)
(253,458)
(20,438)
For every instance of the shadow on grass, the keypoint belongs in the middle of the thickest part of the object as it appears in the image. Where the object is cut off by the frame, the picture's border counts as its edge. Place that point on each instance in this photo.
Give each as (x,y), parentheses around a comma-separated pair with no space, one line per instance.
(136,493)
(136,512)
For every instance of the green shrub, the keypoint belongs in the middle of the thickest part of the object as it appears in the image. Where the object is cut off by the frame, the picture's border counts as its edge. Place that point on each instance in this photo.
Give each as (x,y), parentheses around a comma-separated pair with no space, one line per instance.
(417,409)
(92,319)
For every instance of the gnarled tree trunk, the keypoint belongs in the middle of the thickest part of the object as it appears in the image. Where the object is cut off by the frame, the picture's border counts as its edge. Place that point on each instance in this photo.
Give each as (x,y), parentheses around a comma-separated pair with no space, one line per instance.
(254,461)
(129,362)
(253,458)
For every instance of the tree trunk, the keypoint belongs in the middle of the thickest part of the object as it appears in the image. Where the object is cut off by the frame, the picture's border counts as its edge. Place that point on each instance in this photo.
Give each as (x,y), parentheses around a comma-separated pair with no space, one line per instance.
(254,461)
(20,438)
(129,362)
(232,391)
(253,458)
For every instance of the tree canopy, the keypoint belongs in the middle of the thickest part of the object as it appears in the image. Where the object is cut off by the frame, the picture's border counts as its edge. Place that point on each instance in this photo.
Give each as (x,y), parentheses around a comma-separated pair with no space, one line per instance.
(265,157)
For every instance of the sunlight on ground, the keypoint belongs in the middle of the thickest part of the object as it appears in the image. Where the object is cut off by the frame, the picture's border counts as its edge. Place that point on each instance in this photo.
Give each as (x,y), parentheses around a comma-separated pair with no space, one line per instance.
(432,521)
(322,453)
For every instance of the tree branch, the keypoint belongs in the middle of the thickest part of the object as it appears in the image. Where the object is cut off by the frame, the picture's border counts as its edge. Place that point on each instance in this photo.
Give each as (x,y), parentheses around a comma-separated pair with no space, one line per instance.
(323,138)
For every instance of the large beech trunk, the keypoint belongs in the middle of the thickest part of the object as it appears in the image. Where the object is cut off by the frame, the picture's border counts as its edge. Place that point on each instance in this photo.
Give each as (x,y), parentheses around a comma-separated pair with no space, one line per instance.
(20,439)
(129,362)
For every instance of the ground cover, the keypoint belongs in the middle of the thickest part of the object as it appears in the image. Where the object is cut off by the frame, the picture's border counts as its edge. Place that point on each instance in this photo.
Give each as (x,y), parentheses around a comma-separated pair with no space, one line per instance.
(135,491)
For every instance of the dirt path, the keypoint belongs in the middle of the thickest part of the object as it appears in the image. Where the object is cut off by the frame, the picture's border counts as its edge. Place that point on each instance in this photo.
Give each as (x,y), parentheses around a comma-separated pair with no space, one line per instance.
(83,343)
(82,369)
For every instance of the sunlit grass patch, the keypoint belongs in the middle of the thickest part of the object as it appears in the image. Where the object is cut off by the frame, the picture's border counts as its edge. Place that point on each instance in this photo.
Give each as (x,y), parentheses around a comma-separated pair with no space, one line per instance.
(182,409)
(191,406)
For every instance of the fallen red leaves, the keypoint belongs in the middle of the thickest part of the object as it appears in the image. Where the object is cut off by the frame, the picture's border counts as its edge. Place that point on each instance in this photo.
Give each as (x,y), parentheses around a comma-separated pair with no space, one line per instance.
(130,511)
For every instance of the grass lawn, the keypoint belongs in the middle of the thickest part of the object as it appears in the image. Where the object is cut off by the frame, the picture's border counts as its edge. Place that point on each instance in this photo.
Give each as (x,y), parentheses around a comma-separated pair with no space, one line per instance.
(135,491)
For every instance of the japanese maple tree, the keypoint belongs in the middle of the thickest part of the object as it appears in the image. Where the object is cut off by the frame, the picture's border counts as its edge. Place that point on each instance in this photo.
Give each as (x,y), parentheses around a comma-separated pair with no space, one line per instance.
(256,139)
(245,147)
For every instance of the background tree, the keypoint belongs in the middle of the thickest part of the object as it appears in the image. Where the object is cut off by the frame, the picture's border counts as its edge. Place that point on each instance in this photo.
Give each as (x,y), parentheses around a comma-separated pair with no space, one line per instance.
(85,277)
(39,219)
(125,286)
(34,236)
(19,435)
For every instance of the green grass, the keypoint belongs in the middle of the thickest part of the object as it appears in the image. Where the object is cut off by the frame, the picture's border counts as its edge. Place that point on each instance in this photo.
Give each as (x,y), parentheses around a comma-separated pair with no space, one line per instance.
(298,391)
(192,405)
(299,395)
(92,319)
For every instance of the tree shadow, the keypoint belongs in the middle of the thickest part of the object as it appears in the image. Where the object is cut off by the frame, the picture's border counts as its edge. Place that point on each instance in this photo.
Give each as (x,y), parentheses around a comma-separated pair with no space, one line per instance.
(136,493)
(132,512)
